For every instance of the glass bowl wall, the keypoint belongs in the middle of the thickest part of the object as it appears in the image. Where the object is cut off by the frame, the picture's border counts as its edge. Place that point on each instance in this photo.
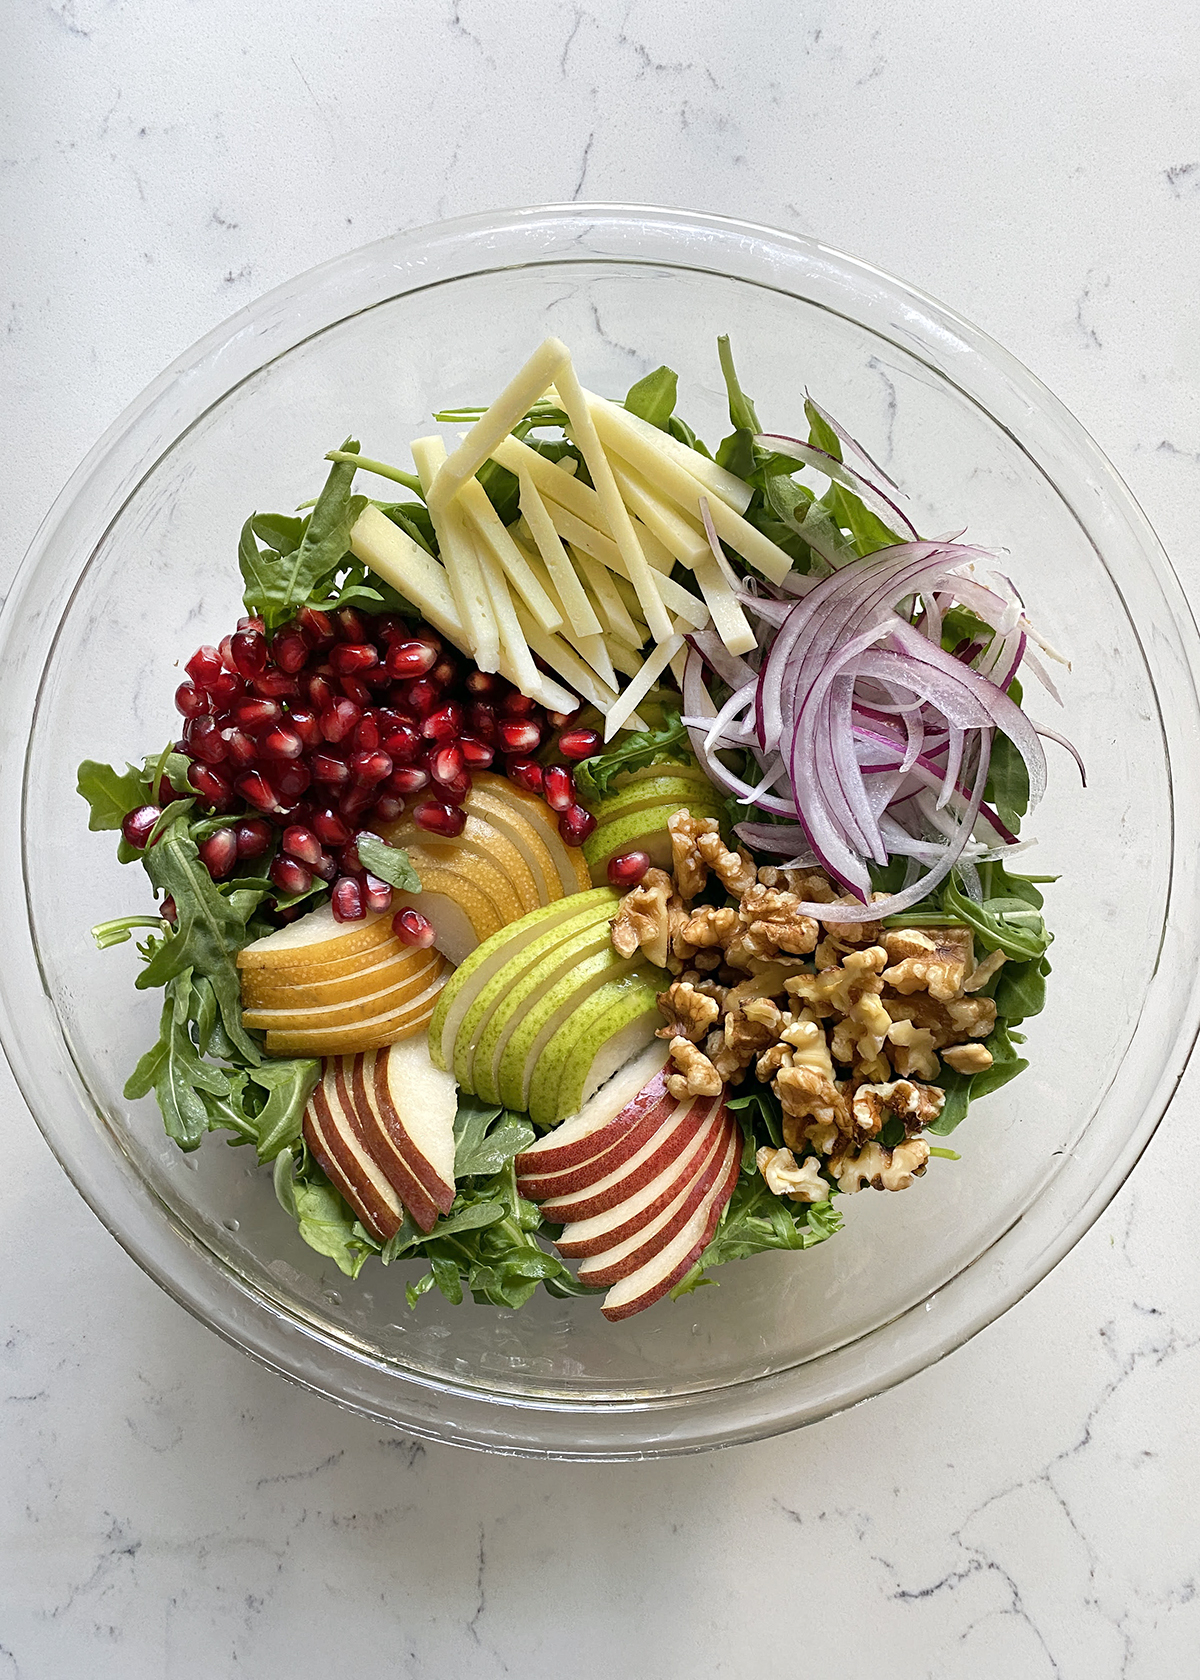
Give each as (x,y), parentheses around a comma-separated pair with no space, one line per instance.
(136,565)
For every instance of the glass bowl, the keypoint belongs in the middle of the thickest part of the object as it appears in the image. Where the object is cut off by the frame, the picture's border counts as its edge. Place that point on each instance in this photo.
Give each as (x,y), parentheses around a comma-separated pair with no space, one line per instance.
(136,565)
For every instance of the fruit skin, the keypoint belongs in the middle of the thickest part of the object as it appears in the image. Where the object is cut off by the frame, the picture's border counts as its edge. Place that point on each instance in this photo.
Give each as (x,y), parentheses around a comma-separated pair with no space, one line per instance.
(330,1133)
(617,1104)
(496,853)
(418,1104)
(478,967)
(554,1084)
(395,992)
(522,1059)
(315,937)
(646,1244)
(659,1275)
(396,961)
(654,1119)
(572,869)
(506,817)
(355,1089)
(369,1035)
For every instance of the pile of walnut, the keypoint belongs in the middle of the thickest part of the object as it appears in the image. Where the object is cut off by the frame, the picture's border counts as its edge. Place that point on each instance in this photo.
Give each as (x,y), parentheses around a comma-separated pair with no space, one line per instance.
(881,1004)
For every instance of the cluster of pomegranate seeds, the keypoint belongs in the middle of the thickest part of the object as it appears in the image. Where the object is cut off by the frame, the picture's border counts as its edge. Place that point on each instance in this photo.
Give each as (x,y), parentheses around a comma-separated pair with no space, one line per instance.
(342,721)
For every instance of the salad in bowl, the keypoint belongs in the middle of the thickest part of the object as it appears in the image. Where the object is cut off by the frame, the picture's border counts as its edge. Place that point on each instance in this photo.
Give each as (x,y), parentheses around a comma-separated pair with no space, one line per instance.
(591,857)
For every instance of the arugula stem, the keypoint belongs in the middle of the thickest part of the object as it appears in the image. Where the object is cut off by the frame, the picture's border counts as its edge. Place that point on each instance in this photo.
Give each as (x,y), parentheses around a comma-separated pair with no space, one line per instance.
(379,468)
(947,1154)
(119,930)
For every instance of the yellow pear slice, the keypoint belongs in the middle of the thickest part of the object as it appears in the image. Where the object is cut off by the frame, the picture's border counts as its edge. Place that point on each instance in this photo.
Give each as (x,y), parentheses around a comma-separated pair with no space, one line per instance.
(470,865)
(510,820)
(478,840)
(312,973)
(568,860)
(317,937)
(285,993)
(351,1013)
(368,1035)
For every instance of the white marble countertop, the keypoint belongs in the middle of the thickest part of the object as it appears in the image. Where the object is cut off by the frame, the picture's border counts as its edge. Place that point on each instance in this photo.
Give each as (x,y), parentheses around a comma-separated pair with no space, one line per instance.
(1029,1508)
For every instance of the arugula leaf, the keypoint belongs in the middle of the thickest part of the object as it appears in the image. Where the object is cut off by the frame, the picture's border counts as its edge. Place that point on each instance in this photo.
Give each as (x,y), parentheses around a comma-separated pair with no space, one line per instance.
(761,1114)
(1011,924)
(639,751)
(737,453)
(110,795)
(288,1084)
(653,398)
(326,1222)
(755,1220)
(480,1145)
(388,863)
(1008,782)
(1021,990)
(210,930)
(279,584)
(962,1089)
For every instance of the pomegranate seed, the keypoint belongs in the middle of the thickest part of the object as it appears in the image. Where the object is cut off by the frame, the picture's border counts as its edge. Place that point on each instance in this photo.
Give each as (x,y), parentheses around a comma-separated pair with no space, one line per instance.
(334,772)
(289,876)
(290,779)
(366,734)
(203,735)
(377,894)
(388,808)
(325,867)
(577,744)
(281,743)
(436,818)
(485,685)
(446,764)
(423,696)
(213,786)
(168,911)
(356,801)
(226,687)
(481,722)
(241,750)
(370,767)
(400,743)
(477,755)
(352,657)
(411,658)
(518,705)
(301,844)
(256,790)
(248,649)
(321,692)
(455,792)
(251,623)
(138,825)
(347,900)
(253,837)
(204,665)
(357,691)
(290,650)
(219,853)
(350,861)
(445,672)
(316,625)
(281,918)
(411,928)
(575,825)
(559,720)
(191,702)
(307,726)
(444,724)
(226,651)
(376,679)
(276,685)
(329,828)
(519,735)
(525,773)
(255,715)
(389,625)
(409,778)
(558,788)
(350,626)
(342,718)
(627,869)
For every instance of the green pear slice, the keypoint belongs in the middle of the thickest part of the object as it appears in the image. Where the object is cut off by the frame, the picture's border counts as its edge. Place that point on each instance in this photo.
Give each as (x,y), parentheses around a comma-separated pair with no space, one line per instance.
(512,981)
(555,986)
(614,1023)
(660,789)
(628,778)
(529,1027)
(479,965)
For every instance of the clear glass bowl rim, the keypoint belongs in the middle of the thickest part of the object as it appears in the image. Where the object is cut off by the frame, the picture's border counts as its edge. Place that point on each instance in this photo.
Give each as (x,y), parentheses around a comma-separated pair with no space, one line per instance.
(1013,398)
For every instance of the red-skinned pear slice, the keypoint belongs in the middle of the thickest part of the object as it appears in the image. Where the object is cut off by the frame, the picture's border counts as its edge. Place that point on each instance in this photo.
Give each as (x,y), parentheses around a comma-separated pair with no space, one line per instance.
(355,1089)
(624,1169)
(601,1120)
(600,1231)
(629,1256)
(659,1276)
(418,1103)
(348,1164)
(650,1129)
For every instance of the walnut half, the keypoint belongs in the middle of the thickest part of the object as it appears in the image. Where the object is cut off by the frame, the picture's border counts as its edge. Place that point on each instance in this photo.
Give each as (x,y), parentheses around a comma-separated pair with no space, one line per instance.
(785,1178)
(880,1167)
(695,1075)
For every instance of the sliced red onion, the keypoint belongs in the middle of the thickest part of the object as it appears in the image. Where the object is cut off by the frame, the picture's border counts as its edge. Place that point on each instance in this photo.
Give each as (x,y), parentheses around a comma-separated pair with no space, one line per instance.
(852,443)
